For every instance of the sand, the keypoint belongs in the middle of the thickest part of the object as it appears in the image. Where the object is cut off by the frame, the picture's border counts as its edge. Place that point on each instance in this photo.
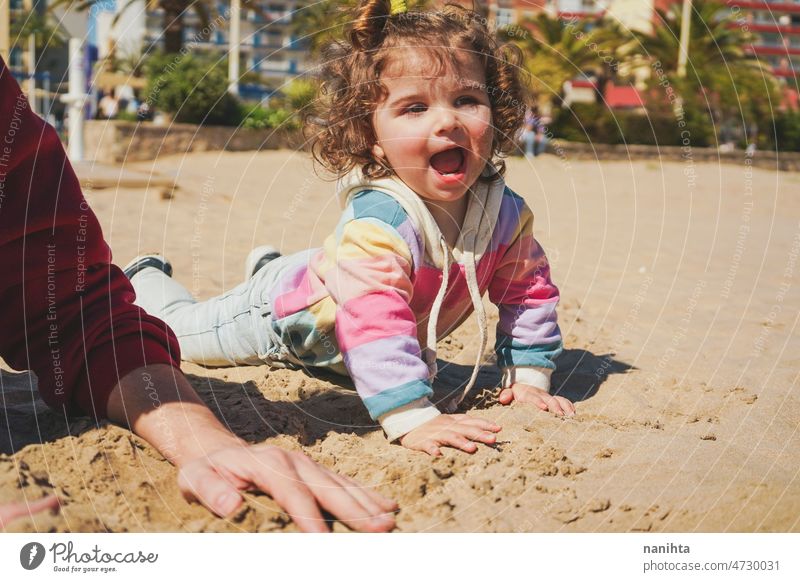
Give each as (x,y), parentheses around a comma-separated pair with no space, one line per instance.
(679,310)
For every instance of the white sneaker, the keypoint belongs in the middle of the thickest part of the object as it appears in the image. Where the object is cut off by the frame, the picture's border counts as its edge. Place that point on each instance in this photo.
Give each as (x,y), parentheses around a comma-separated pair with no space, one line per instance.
(258,258)
(146,261)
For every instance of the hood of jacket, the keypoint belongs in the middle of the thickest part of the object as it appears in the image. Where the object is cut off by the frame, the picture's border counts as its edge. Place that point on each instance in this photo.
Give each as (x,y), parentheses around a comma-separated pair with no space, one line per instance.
(479,222)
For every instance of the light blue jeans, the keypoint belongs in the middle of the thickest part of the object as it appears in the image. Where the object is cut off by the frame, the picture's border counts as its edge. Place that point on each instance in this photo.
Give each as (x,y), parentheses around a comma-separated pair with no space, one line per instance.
(234,328)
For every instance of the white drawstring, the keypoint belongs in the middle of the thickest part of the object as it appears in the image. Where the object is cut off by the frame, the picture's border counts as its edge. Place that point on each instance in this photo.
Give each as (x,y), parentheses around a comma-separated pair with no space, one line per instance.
(433,319)
(477,303)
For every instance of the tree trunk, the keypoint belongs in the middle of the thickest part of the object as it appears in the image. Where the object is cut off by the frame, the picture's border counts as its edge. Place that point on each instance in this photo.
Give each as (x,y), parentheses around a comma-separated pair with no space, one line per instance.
(173,24)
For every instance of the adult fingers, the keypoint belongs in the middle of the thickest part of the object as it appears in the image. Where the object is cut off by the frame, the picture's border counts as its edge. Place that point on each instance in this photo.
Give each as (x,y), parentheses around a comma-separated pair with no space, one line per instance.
(200,482)
(384,503)
(276,474)
(343,500)
(12,511)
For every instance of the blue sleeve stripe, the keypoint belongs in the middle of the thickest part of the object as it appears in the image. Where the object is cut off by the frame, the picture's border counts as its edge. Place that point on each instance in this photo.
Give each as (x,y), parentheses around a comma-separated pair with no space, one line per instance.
(388,400)
(513,353)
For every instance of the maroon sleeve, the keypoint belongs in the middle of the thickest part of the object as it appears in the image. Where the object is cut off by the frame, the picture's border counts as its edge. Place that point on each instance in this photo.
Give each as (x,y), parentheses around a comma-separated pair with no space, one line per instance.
(67,312)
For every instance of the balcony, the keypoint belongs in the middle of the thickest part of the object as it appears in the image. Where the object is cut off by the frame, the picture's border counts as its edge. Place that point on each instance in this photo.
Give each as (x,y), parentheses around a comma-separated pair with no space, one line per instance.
(774,27)
(760,50)
(769,5)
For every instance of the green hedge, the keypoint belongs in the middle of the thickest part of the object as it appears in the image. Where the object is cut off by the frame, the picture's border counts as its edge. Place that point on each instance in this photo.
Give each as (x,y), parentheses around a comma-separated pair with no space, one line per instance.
(194,88)
(784,135)
(590,122)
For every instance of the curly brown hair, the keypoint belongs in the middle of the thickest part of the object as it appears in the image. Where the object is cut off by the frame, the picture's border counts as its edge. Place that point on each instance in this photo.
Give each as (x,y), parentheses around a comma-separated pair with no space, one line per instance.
(339,129)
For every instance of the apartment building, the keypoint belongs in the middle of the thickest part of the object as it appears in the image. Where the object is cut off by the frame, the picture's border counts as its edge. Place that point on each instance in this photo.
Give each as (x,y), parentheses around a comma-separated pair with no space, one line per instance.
(268,46)
(776,25)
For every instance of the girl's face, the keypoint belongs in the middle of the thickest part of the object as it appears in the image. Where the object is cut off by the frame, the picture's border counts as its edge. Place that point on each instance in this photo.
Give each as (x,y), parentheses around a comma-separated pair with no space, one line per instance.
(435,132)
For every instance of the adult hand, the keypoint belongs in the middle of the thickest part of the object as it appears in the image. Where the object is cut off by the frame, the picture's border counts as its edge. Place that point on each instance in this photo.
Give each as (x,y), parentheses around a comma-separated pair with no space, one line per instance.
(215,466)
(11,511)
(294,481)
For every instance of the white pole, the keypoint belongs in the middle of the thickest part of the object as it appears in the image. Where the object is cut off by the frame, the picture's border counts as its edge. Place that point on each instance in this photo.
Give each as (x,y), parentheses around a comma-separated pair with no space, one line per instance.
(76,99)
(234,42)
(32,71)
(683,51)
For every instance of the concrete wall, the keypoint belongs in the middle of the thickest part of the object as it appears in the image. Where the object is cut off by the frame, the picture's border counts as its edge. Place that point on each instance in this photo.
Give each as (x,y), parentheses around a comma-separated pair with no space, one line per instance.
(119,141)
(769,160)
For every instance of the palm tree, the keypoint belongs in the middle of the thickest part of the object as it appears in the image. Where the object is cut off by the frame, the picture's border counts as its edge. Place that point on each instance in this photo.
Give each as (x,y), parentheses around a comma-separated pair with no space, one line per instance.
(557,51)
(715,40)
(720,70)
(39,25)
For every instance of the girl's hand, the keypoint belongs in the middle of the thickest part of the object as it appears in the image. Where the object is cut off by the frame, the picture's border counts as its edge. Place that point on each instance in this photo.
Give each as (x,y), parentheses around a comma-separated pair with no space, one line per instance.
(453,430)
(524,393)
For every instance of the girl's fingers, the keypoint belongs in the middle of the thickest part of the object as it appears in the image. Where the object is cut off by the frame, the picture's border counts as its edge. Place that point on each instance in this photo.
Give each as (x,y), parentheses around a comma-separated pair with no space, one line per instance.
(471,421)
(459,441)
(480,435)
(554,405)
(432,449)
(566,405)
(506,396)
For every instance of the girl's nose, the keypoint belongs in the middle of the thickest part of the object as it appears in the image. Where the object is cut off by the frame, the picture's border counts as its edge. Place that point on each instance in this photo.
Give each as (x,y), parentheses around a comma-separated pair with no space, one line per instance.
(446,121)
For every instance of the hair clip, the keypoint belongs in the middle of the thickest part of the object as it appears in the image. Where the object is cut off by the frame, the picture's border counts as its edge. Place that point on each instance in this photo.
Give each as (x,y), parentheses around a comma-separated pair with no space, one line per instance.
(398,7)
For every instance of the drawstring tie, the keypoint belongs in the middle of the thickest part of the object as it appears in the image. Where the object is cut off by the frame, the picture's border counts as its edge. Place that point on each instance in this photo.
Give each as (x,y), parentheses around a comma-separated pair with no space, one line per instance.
(477,303)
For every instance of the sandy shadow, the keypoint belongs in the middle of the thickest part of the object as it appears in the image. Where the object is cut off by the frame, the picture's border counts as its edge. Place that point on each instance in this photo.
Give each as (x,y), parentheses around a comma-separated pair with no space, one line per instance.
(248,413)
(580,373)
(25,419)
(578,377)
(332,406)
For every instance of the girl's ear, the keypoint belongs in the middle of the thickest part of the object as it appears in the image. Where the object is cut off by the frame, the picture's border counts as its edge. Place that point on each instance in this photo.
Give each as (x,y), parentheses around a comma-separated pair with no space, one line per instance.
(378,152)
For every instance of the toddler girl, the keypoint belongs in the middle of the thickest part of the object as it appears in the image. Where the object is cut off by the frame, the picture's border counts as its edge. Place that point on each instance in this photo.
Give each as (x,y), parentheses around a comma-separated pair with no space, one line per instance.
(415,109)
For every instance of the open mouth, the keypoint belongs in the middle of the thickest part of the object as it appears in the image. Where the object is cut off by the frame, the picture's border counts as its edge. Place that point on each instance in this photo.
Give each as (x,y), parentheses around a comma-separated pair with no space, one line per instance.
(449,162)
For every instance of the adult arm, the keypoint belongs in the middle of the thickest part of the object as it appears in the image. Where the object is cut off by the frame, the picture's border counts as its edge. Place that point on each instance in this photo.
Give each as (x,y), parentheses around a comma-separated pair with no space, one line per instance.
(215,466)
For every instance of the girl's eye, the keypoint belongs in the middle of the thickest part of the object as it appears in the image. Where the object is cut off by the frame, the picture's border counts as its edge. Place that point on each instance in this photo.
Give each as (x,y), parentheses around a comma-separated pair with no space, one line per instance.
(416,109)
(466,100)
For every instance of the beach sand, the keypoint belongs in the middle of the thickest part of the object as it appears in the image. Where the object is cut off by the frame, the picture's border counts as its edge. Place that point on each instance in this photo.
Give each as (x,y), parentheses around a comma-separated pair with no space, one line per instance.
(679,310)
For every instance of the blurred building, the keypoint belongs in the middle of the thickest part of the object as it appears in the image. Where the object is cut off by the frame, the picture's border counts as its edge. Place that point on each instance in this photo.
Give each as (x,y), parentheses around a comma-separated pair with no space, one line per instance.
(40,62)
(633,14)
(776,25)
(268,46)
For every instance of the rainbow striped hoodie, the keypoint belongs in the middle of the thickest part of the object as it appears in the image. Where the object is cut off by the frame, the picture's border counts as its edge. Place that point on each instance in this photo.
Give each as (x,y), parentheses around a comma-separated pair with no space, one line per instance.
(373,301)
